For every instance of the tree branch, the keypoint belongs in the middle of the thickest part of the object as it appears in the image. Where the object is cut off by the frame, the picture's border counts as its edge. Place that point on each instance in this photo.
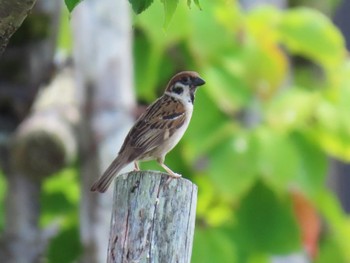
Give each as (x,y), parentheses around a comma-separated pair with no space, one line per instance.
(12,14)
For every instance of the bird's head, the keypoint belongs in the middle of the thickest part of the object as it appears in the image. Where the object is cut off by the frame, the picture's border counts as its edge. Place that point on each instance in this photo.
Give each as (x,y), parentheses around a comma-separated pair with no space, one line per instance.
(184,85)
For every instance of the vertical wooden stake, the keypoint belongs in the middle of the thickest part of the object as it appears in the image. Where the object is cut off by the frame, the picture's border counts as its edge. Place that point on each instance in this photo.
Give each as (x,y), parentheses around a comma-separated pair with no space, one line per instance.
(153,219)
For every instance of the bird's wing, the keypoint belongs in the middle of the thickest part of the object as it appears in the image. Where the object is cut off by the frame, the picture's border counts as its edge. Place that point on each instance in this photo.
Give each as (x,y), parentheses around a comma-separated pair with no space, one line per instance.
(155,125)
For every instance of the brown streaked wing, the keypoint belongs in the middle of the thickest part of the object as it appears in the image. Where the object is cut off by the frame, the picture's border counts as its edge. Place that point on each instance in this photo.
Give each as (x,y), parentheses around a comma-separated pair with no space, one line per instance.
(166,113)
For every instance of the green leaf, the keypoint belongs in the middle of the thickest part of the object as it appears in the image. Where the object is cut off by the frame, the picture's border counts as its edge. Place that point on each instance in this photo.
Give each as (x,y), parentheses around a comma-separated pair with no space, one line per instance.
(196,2)
(71,4)
(208,128)
(213,245)
(331,129)
(140,5)
(330,251)
(226,88)
(55,204)
(210,40)
(265,222)
(292,109)
(169,10)
(64,40)
(158,39)
(3,186)
(338,224)
(65,247)
(147,61)
(267,76)
(60,197)
(65,182)
(308,32)
(313,165)
(232,165)
(278,159)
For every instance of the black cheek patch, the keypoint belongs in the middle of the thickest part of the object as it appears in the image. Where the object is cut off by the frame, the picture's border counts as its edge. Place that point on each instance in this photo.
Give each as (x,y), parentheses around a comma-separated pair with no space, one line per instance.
(178,90)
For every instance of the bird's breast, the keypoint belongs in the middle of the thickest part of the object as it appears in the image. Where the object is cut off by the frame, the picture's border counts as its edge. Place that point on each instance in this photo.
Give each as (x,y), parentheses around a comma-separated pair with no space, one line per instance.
(170,141)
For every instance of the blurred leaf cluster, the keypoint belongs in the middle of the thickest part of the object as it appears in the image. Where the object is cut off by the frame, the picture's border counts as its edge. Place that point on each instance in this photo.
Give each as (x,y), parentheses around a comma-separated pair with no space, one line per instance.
(60,204)
(139,6)
(274,108)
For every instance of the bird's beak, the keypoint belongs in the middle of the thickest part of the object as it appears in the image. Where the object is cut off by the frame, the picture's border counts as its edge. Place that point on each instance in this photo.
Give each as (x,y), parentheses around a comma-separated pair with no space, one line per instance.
(198,82)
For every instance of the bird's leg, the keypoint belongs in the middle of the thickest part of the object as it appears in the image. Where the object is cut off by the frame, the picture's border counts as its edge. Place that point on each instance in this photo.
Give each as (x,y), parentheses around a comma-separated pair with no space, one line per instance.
(166,168)
(137,168)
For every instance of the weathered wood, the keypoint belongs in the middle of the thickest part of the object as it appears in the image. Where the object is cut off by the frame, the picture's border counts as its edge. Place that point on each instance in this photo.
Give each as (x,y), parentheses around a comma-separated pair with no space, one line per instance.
(45,142)
(12,14)
(153,219)
(27,63)
(43,145)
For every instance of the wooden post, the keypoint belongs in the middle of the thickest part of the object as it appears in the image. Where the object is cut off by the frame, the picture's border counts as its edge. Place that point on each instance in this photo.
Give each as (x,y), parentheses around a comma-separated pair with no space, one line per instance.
(153,219)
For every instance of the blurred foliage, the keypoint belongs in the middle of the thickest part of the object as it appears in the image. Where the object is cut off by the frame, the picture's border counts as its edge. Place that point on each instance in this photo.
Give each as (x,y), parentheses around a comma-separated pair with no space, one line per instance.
(262,129)
(141,5)
(60,205)
(65,33)
(2,200)
(263,126)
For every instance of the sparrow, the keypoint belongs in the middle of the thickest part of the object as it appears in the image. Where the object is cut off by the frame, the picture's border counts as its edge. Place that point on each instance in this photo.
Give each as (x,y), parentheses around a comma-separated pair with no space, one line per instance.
(158,129)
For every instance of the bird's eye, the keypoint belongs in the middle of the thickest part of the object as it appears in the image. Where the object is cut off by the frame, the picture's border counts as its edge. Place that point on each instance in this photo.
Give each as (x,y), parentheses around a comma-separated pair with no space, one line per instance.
(186,80)
(178,90)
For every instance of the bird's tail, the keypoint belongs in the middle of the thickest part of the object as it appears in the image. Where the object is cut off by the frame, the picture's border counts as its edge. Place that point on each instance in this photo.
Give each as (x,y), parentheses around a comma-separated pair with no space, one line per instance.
(107,177)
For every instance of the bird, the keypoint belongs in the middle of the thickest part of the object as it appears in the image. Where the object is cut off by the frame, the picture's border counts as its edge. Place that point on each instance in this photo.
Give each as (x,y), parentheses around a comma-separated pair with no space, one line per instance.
(158,130)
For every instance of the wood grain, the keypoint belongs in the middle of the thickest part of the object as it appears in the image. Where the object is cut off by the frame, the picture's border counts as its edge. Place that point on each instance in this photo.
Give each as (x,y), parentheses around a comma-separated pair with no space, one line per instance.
(153,219)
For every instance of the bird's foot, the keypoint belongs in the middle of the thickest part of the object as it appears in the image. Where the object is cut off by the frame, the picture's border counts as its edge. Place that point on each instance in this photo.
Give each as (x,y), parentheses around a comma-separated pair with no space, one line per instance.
(175,175)
(136,167)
